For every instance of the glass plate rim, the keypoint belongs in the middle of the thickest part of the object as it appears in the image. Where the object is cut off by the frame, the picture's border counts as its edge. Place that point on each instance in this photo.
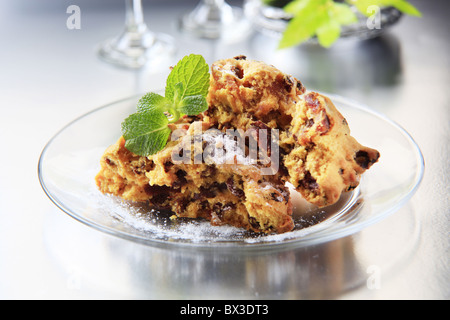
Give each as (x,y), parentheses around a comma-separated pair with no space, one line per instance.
(317,237)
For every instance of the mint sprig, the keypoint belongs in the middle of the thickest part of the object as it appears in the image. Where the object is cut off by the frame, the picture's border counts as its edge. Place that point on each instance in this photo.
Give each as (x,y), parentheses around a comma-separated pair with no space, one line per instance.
(146,131)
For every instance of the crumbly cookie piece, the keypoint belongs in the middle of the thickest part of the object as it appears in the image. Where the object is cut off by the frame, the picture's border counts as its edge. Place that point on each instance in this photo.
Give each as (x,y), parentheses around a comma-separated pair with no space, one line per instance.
(243,91)
(322,159)
(224,193)
(122,173)
(317,154)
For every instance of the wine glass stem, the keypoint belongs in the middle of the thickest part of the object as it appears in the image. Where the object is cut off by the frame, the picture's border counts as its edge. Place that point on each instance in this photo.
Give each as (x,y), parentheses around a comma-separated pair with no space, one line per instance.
(134,16)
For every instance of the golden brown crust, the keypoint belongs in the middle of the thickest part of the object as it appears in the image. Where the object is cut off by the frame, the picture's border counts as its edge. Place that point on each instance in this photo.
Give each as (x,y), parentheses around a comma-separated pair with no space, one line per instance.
(325,160)
(251,90)
(122,173)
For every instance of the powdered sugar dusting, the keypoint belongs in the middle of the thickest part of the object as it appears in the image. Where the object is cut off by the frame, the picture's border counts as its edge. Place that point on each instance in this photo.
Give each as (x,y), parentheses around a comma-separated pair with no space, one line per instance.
(159,226)
(162,226)
(138,220)
(224,149)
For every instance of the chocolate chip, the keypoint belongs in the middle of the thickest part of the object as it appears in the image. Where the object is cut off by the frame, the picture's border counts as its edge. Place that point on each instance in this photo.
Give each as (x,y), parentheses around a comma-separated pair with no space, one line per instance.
(362,159)
(238,71)
(217,208)
(286,194)
(240,57)
(205,209)
(276,197)
(228,206)
(233,189)
(283,171)
(181,204)
(220,186)
(137,171)
(209,172)
(288,83)
(159,194)
(207,193)
(110,162)
(167,166)
(204,204)
(309,182)
(254,223)
(309,123)
(181,174)
(300,87)
(197,196)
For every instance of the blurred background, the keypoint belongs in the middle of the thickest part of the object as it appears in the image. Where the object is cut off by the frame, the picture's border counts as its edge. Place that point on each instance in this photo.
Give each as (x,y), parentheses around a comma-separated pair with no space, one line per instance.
(51,74)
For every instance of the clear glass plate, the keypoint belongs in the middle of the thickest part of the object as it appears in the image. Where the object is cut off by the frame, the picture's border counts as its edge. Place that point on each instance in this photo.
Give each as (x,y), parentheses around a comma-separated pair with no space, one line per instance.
(70,161)
(272,21)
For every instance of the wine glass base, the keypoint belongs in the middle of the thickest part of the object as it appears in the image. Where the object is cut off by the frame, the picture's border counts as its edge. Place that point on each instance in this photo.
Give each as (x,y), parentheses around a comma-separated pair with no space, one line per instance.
(230,25)
(136,50)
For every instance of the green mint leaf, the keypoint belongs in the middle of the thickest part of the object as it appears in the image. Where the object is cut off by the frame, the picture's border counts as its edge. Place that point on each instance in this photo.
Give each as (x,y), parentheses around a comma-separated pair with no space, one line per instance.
(178,93)
(193,72)
(152,101)
(193,105)
(146,133)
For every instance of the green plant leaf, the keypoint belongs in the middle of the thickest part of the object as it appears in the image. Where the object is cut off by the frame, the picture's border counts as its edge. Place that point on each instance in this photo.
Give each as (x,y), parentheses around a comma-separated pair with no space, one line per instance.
(152,100)
(402,5)
(406,8)
(342,14)
(193,72)
(294,7)
(328,33)
(304,24)
(324,18)
(146,133)
(193,105)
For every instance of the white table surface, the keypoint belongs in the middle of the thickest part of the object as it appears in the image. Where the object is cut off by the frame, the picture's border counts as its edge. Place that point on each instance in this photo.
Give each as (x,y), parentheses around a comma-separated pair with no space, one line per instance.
(51,75)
